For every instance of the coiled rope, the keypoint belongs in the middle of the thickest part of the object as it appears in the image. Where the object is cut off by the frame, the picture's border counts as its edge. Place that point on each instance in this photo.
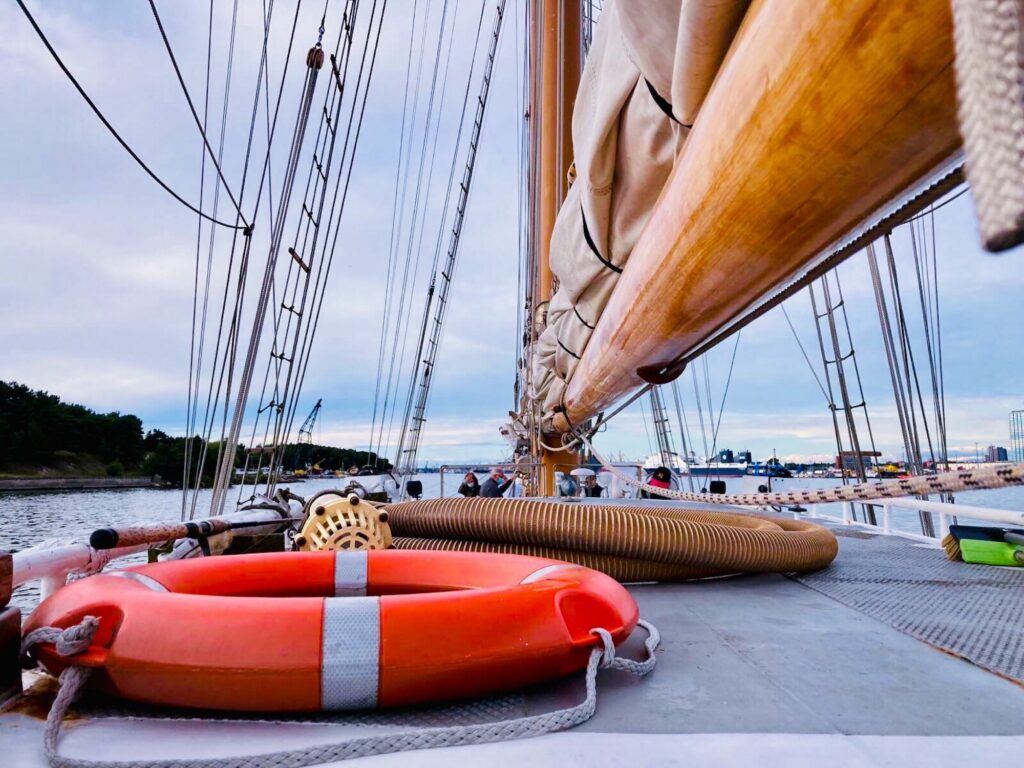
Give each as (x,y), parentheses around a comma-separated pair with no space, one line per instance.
(72,680)
(998,476)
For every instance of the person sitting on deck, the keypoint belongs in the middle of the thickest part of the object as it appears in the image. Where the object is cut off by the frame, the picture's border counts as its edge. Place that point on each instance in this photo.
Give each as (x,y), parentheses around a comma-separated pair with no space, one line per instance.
(662,478)
(493,487)
(591,488)
(470,486)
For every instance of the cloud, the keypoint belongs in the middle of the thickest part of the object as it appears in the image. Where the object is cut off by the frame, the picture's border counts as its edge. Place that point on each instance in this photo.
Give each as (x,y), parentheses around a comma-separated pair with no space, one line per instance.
(96,301)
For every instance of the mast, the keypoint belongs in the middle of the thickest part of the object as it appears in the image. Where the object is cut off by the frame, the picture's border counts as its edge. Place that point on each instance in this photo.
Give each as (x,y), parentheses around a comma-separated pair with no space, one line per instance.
(556,24)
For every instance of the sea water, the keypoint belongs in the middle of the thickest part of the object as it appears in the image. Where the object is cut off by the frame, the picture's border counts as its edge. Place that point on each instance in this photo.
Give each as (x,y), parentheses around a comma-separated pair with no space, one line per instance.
(28,519)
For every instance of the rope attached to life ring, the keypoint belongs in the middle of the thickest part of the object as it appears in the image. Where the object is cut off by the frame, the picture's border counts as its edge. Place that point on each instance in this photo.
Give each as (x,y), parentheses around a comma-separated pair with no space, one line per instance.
(73,679)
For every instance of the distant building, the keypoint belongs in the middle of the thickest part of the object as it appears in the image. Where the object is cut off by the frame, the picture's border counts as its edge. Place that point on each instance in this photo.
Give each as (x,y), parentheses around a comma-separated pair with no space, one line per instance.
(996,453)
(1017,435)
(852,461)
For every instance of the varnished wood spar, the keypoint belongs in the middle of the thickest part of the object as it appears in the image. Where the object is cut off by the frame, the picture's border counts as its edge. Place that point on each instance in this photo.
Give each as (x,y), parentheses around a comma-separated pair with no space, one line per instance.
(560,77)
(823,111)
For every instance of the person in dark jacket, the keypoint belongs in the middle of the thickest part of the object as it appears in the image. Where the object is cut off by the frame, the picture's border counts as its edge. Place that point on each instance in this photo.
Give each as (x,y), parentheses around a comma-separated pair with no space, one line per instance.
(493,486)
(470,486)
(591,487)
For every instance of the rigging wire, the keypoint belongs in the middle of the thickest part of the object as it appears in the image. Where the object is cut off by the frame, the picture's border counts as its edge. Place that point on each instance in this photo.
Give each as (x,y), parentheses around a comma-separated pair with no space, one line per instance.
(807,359)
(725,392)
(684,430)
(226,458)
(933,208)
(402,358)
(284,422)
(187,462)
(328,263)
(192,109)
(213,395)
(647,431)
(113,132)
(277,360)
(414,419)
(397,238)
(417,356)
(700,413)
(385,314)
(216,204)
(938,343)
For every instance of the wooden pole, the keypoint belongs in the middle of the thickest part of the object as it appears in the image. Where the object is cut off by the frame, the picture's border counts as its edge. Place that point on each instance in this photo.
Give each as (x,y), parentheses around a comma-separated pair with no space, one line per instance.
(560,77)
(549,138)
(823,112)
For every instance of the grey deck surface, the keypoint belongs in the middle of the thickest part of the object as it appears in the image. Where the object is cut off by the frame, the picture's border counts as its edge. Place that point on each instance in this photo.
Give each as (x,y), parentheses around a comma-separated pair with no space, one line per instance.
(767,654)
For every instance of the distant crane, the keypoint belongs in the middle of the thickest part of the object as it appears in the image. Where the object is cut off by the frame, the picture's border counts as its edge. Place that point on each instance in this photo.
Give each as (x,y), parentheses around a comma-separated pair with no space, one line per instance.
(306,430)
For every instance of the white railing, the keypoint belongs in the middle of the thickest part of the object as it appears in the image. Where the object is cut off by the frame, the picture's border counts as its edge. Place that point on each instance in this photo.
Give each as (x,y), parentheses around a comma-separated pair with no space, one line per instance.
(943,514)
(51,564)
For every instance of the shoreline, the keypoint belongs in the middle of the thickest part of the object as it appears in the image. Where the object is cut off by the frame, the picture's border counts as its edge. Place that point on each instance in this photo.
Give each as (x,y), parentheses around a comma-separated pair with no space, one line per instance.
(75,483)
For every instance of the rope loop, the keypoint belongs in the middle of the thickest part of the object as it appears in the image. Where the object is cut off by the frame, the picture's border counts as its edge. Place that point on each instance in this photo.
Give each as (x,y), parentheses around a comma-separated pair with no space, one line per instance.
(608,654)
(69,641)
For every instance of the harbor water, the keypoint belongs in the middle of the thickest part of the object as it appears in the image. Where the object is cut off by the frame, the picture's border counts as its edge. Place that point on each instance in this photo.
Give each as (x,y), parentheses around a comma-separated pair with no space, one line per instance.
(28,519)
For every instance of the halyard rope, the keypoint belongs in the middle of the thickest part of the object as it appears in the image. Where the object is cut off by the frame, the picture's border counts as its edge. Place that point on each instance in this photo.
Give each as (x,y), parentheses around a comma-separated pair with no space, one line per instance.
(76,639)
(997,476)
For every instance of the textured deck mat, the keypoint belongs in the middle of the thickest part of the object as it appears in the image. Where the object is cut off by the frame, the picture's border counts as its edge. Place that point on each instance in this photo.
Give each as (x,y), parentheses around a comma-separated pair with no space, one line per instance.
(973,611)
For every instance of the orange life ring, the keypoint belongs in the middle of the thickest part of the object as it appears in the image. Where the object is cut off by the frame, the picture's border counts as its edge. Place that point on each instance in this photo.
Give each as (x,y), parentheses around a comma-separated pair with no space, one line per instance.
(336,630)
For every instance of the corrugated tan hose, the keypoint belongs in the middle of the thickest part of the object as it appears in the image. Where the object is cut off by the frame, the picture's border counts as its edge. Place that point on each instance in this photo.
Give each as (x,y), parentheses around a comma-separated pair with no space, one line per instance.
(628,543)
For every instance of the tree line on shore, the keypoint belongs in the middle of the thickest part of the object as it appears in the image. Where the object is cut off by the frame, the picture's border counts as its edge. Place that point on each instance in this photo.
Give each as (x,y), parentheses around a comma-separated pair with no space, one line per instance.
(39,430)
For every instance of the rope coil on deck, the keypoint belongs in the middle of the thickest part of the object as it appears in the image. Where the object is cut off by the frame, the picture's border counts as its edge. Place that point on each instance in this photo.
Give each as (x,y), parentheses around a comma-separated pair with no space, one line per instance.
(73,680)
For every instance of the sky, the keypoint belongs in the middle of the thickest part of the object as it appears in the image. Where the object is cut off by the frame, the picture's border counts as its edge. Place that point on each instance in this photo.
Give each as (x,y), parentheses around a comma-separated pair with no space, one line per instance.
(98,261)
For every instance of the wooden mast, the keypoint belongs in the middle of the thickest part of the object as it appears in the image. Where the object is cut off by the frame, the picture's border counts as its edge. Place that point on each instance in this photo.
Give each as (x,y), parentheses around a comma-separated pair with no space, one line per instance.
(559,38)
(823,112)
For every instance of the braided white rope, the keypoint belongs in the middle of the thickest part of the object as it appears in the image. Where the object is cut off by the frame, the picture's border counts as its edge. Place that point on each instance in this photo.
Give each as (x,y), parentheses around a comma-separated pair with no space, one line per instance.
(990,85)
(73,679)
(68,641)
(996,476)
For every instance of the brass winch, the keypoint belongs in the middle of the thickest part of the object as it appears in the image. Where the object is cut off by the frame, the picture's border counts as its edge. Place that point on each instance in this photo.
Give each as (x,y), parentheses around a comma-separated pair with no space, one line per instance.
(334,521)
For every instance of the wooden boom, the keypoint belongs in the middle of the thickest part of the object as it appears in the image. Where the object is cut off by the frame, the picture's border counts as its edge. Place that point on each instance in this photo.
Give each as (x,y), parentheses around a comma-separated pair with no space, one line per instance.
(823,111)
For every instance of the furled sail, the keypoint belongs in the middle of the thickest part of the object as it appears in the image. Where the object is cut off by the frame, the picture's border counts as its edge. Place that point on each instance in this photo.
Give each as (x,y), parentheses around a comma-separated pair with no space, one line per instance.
(649,68)
(808,120)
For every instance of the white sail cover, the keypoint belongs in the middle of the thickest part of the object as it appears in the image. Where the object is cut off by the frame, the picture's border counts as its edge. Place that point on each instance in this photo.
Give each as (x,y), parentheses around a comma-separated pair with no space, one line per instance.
(650,66)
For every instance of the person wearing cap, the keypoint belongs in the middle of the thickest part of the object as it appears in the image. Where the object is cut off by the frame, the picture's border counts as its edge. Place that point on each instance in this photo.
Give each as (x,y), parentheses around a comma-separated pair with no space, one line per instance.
(494,487)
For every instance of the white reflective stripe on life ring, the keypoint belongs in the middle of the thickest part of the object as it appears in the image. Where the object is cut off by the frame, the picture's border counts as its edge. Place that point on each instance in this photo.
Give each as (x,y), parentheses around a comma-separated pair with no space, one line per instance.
(350,568)
(350,666)
(141,578)
(542,573)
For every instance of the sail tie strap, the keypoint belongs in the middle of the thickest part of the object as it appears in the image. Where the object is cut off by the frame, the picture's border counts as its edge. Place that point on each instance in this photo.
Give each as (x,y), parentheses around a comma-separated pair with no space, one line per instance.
(989,40)
(74,678)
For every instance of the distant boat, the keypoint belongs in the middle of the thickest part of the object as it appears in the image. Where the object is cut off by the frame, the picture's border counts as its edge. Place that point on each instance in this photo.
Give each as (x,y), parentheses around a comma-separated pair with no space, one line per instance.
(723,465)
(768,469)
